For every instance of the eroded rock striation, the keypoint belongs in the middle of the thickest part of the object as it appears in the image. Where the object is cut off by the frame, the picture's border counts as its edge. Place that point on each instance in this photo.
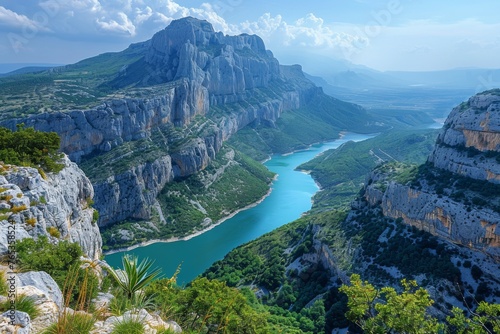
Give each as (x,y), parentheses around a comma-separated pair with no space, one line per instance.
(470,141)
(456,195)
(228,82)
(55,205)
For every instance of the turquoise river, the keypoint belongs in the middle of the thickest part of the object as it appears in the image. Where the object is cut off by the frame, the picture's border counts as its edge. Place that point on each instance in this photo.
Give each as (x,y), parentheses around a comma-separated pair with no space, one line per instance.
(290,197)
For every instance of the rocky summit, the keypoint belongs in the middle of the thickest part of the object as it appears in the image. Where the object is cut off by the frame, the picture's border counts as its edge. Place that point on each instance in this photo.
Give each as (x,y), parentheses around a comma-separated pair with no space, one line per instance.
(470,141)
(168,110)
(455,195)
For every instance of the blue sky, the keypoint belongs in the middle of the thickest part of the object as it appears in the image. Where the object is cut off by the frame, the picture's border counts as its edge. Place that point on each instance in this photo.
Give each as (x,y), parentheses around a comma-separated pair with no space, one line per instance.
(381,34)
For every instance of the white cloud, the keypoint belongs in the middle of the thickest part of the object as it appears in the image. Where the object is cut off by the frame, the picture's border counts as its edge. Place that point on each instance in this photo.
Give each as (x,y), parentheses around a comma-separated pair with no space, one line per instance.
(309,31)
(125,26)
(15,21)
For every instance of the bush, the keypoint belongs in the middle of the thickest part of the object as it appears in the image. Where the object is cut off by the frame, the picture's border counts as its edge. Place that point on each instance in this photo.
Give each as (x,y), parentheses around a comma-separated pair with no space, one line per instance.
(476,272)
(31,221)
(4,288)
(57,260)
(54,232)
(78,323)
(130,325)
(28,147)
(23,304)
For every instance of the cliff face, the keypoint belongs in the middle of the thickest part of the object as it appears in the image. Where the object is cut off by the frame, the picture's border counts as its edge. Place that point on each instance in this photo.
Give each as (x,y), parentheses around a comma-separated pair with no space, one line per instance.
(57,206)
(456,195)
(470,140)
(205,85)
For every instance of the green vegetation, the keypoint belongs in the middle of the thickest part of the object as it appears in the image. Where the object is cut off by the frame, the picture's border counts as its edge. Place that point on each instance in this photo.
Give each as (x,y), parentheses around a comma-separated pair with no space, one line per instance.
(27,147)
(209,306)
(4,288)
(387,311)
(23,304)
(129,325)
(57,260)
(134,277)
(323,118)
(78,323)
(342,172)
(78,86)
(472,193)
(231,182)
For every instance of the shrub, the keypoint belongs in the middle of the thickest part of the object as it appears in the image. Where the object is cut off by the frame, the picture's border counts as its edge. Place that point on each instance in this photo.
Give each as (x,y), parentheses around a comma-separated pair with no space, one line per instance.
(31,221)
(476,272)
(95,216)
(129,325)
(27,147)
(4,288)
(16,209)
(57,261)
(54,232)
(79,323)
(23,304)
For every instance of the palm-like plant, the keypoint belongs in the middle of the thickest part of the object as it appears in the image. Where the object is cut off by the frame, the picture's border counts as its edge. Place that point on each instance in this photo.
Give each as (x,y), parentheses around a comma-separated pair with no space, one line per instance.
(134,276)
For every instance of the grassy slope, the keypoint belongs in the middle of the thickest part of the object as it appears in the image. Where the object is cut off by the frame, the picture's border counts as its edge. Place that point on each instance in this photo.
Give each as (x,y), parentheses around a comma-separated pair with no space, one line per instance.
(341,172)
(207,194)
(263,261)
(323,118)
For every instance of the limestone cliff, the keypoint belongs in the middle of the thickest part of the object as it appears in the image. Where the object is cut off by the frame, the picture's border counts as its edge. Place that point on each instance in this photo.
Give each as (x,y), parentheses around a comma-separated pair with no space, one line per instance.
(456,194)
(55,205)
(470,141)
(193,88)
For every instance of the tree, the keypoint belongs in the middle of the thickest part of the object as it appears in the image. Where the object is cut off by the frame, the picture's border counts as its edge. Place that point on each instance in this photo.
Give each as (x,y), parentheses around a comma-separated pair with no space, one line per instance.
(486,319)
(386,311)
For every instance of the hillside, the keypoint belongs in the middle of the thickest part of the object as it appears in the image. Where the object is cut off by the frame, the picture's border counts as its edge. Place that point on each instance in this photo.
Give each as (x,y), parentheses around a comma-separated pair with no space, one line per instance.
(162,110)
(388,233)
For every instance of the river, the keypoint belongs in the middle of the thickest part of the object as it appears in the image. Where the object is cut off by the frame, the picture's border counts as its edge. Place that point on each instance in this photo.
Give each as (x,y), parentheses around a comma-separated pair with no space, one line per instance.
(290,198)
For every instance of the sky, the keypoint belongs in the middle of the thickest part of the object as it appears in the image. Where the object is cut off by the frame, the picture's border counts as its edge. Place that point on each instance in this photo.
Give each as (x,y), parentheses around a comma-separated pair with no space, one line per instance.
(410,35)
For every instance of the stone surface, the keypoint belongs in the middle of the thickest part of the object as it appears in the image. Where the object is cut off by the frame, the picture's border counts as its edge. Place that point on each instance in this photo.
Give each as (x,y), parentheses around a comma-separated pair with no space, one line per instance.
(197,68)
(440,216)
(16,323)
(470,140)
(151,323)
(468,145)
(43,282)
(48,310)
(59,202)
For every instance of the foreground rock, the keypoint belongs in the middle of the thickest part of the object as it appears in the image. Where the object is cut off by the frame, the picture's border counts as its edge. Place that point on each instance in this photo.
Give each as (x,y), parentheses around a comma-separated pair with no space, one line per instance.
(54,205)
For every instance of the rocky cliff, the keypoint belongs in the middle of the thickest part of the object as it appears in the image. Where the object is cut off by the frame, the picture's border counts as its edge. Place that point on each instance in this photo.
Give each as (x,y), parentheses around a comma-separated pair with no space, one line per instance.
(470,141)
(195,88)
(55,205)
(456,194)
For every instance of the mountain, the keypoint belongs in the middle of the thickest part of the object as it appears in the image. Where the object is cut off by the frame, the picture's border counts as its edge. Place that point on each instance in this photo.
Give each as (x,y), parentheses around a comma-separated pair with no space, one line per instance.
(161,111)
(426,212)
(455,194)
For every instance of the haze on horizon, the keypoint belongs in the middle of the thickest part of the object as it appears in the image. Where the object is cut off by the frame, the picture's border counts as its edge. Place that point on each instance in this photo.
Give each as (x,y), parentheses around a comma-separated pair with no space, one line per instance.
(384,35)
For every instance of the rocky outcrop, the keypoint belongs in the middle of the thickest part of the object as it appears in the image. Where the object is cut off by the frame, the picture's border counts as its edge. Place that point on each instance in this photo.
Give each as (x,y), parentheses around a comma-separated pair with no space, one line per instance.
(192,68)
(54,205)
(152,323)
(470,141)
(439,215)
(131,194)
(225,65)
(469,148)
(15,322)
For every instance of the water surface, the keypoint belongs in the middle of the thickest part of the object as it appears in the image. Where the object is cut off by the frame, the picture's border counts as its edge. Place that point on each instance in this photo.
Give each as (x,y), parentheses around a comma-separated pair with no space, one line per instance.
(290,198)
